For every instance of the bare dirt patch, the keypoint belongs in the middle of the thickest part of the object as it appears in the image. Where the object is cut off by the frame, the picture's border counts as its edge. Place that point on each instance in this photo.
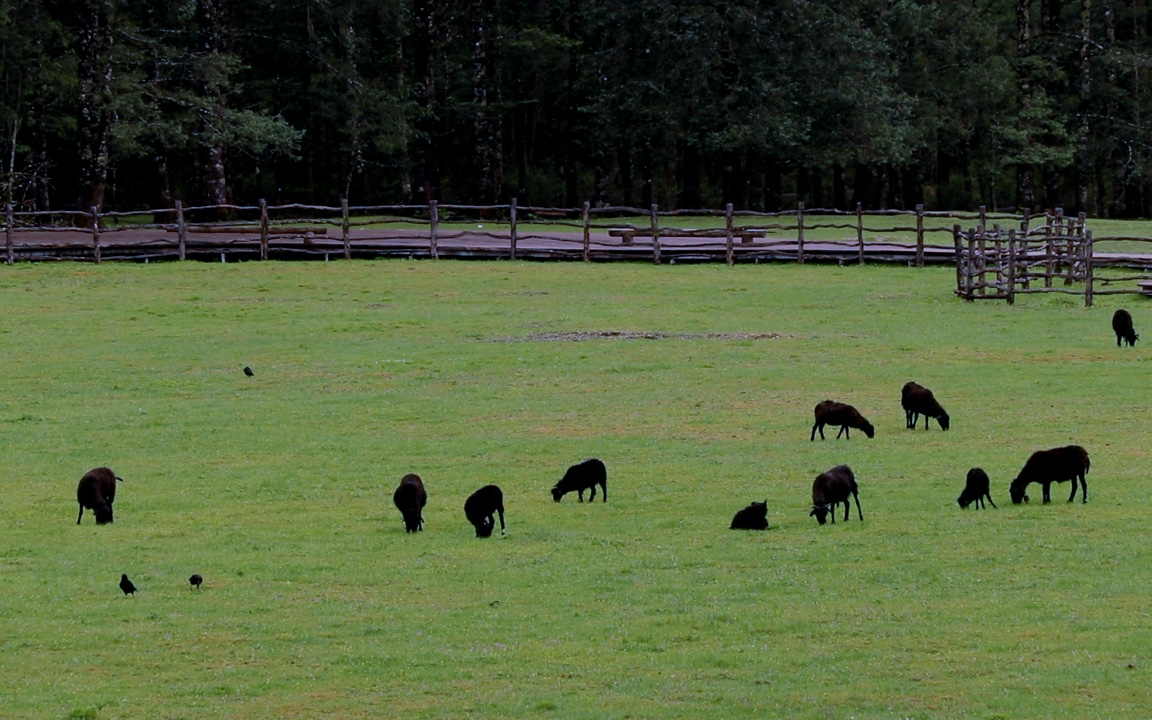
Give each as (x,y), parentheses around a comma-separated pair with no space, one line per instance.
(579,335)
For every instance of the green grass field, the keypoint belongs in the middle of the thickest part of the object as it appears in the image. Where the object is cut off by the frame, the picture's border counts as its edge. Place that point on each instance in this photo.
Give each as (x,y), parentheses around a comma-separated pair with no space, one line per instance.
(316,604)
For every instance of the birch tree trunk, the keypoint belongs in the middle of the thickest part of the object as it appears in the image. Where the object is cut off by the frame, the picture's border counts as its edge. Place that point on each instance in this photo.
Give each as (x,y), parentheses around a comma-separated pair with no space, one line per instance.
(485,98)
(94,114)
(1025,189)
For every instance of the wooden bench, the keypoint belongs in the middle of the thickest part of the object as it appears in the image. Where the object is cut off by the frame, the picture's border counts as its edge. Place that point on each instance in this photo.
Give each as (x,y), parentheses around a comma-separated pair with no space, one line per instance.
(627,235)
(1145,287)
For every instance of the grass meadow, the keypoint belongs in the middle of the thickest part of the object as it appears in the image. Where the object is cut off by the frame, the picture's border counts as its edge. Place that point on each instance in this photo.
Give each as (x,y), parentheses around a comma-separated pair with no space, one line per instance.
(316,604)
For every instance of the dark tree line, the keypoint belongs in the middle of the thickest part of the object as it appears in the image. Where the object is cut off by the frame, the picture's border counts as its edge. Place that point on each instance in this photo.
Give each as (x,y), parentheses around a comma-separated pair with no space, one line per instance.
(123,104)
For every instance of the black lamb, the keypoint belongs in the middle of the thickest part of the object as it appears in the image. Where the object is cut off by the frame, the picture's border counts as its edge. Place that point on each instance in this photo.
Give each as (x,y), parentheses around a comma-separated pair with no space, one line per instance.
(480,507)
(96,491)
(830,412)
(580,477)
(831,488)
(1048,466)
(753,517)
(1122,326)
(918,400)
(410,498)
(976,488)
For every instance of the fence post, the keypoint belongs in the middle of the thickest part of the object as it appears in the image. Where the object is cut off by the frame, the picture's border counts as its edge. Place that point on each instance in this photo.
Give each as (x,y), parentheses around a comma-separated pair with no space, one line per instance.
(8,220)
(434,222)
(587,229)
(655,234)
(998,248)
(971,279)
(729,255)
(920,236)
(263,229)
(1089,275)
(1011,266)
(1025,220)
(512,218)
(800,233)
(181,230)
(96,233)
(959,257)
(344,228)
(860,232)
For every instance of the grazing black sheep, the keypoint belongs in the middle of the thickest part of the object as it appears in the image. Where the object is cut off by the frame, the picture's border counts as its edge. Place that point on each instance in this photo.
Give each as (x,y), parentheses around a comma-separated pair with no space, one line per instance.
(581,477)
(96,491)
(410,498)
(126,584)
(480,506)
(918,400)
(195,581)
(830,412)
(1122,326)
(753,517)
(831,488)
(1048,466)
(976,489)
(248,371)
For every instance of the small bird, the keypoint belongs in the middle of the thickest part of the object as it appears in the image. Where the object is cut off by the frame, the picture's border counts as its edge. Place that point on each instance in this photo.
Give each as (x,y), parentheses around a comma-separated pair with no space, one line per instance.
(196,580)
(126,584)
(248,371)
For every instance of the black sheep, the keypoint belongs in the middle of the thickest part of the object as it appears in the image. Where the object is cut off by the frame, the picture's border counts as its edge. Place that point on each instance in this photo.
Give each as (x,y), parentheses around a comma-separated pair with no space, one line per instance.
(918,400)
(410,498)
(1122,326)
(753,517)
(1048,466)
(831,488)
(581,477)
(830,412)
(976,488)
(480,506)
(96,491)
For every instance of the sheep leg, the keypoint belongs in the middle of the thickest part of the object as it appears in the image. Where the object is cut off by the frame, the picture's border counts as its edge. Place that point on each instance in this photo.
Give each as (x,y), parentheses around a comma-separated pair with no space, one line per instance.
(819,426)
(844,432)
(1047,492)
(989,495)
(858,510)
(927,421)
(604,487)
(80,515)
(500,509)
(580,494)
(1084,488)
(592,495)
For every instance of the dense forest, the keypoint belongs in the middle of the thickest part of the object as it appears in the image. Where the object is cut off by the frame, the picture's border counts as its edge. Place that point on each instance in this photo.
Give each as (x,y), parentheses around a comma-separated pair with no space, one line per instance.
(126,104)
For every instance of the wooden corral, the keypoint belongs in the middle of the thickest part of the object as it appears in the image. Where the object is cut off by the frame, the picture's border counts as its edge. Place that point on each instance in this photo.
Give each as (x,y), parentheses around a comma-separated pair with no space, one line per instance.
(1057,256)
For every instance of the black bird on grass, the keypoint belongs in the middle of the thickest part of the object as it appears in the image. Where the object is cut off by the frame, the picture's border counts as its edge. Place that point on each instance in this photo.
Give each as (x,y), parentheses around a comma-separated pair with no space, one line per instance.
(196,580)
(126,584)
(248,371)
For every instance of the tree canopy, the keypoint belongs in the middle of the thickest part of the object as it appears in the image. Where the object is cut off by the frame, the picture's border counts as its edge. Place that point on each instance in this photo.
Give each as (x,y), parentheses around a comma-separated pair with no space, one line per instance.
(126,104)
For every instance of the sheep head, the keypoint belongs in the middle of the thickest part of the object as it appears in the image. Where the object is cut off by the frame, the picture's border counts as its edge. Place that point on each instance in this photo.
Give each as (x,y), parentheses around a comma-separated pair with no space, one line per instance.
(820,512)
(944,421)
(1016,490)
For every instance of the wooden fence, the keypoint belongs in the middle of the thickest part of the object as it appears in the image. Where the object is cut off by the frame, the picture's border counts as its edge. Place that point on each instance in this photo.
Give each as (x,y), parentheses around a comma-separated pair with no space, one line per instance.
(998,264)
(500,231)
